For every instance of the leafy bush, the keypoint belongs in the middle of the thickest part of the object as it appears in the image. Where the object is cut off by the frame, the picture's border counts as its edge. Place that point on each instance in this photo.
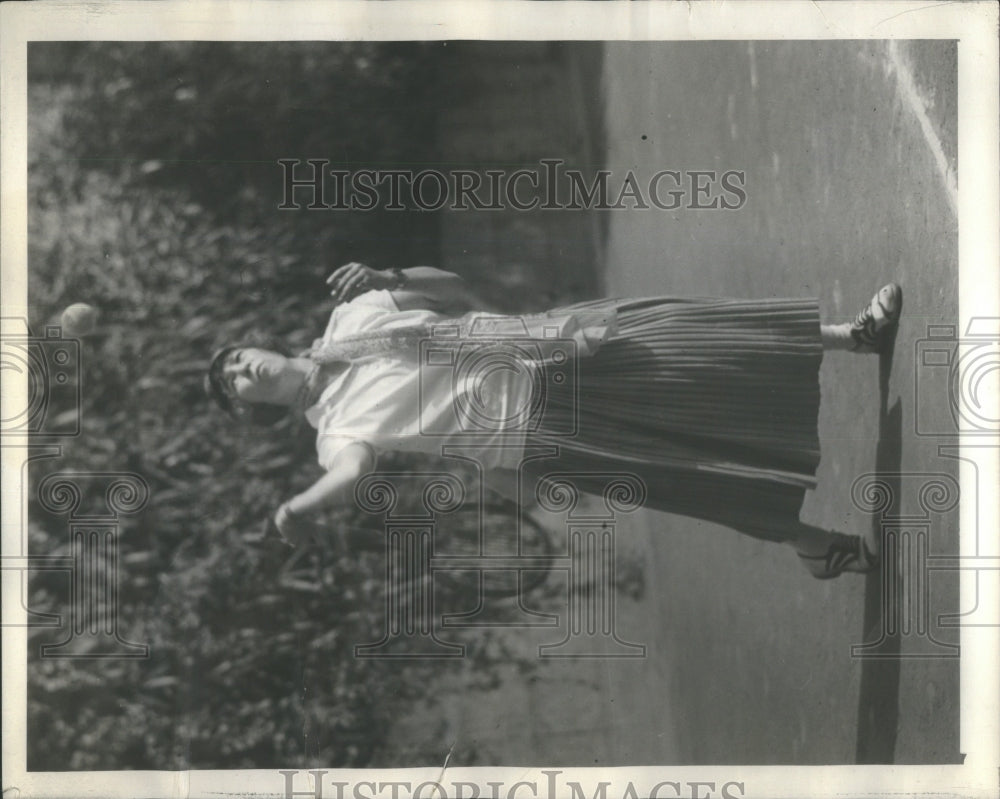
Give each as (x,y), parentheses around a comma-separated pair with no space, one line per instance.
(152,185)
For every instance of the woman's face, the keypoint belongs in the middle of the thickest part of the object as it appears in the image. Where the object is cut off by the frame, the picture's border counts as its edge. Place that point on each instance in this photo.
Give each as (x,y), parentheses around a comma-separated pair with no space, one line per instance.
(256,375)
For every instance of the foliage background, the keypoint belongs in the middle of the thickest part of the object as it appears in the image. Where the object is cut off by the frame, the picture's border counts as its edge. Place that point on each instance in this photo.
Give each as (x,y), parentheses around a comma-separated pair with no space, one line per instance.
(153,190)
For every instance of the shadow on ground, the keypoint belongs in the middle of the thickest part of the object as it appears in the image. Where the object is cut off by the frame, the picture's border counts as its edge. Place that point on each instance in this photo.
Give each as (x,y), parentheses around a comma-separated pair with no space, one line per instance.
(878,697)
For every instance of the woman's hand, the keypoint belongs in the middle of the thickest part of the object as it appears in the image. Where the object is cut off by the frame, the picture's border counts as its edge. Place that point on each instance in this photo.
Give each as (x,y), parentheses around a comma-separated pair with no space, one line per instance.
(334,489)
(354,278)
(295,531)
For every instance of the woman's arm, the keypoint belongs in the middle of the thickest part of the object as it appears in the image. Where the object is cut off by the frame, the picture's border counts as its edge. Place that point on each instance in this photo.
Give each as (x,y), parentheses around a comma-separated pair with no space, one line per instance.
(415,287)
(427,287)
(335,487)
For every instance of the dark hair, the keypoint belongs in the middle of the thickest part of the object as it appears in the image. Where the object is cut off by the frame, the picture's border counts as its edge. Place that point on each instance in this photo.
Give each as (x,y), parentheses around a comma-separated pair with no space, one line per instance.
(257,413)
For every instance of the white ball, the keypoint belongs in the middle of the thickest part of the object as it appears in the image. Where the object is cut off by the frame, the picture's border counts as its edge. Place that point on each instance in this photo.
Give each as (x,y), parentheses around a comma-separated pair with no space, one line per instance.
(79,319)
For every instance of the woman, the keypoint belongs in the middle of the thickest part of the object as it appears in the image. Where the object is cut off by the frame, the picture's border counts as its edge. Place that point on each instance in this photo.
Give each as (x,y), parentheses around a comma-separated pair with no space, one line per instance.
(713,403)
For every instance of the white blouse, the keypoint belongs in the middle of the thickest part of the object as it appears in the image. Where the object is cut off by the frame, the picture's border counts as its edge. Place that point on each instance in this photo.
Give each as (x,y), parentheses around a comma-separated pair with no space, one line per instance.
(395,403)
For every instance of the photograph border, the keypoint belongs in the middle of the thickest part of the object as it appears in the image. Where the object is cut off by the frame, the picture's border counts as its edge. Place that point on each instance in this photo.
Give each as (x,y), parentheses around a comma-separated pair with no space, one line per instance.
(972,24)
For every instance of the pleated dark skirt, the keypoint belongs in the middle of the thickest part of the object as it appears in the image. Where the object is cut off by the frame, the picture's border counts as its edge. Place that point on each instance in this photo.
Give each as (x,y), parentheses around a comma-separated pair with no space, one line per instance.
(712,403)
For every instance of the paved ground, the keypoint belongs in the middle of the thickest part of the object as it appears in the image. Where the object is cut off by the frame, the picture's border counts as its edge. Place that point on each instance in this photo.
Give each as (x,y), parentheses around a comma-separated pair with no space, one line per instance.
(845,191)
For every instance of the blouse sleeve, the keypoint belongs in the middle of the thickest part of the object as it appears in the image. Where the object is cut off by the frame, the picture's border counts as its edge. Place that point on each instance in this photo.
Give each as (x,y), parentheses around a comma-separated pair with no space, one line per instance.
(361,313)
(381,299)
(328,445)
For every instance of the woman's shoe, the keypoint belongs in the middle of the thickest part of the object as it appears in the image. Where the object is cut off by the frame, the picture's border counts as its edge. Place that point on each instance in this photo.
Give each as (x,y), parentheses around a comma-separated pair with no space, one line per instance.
(847,553)
(875,324)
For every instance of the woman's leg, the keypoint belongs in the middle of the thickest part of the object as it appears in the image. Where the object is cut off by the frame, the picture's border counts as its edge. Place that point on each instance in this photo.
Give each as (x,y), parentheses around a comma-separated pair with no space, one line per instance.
(837,337)
(824,552)
(829,554)
(871,329)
